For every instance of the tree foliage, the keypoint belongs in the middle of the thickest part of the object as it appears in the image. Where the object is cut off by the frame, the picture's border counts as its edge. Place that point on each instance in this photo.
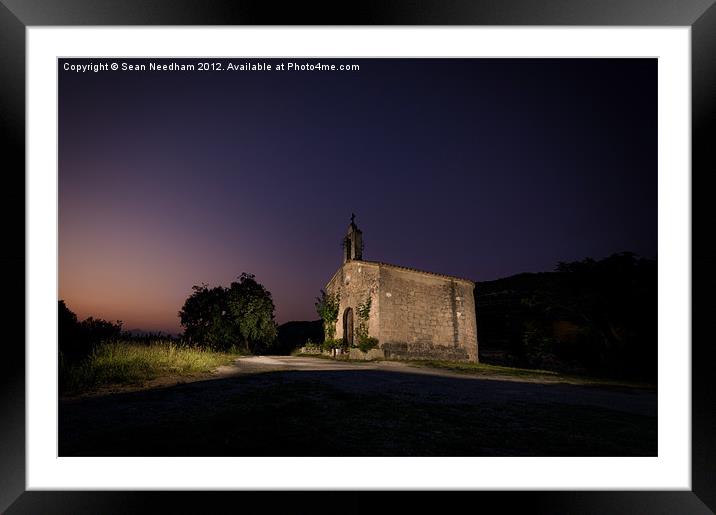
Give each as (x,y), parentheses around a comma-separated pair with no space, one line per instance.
(204,317)
(77,339)
(613,302)
(241,315)
(250,308)
(327,305)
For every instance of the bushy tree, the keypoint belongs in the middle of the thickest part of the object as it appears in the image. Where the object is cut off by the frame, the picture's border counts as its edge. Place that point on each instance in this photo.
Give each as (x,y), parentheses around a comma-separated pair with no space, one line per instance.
(251,309)
(241,315)
(77,339)
(204,317)
(67,323)
(614,303)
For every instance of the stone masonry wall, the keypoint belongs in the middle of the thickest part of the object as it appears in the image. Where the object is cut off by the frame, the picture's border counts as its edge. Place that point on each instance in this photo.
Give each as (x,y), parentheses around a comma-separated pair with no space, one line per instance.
(426,316)
(355,281)
(413,314)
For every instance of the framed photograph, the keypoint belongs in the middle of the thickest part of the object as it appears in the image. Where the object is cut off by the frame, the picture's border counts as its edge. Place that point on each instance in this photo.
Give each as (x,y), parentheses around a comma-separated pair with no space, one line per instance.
(406,249)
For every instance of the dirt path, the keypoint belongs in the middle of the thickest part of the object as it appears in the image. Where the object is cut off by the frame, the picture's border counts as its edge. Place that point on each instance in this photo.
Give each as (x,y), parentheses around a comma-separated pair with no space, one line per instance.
(269,405)
(622,399)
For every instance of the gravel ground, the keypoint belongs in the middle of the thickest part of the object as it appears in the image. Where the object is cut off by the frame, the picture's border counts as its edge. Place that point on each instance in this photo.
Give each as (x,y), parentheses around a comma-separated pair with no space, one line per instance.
(289,406)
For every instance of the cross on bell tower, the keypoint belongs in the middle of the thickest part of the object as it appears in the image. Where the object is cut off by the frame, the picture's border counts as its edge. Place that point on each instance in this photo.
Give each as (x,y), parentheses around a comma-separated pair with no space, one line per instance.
(353,242)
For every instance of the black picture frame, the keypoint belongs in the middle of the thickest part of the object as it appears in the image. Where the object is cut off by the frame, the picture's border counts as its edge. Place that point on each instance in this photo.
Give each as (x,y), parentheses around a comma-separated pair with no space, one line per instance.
(17,15)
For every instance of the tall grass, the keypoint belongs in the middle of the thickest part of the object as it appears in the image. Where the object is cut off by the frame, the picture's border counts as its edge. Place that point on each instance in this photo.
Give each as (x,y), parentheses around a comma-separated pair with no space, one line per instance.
(126,362)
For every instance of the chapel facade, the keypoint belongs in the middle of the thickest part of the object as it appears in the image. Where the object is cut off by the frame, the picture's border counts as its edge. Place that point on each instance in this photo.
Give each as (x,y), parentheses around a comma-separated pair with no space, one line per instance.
(412,313)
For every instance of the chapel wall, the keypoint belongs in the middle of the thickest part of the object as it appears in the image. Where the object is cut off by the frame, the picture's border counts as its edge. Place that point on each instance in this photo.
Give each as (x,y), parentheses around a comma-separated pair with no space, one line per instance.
(426,316)
(356,281)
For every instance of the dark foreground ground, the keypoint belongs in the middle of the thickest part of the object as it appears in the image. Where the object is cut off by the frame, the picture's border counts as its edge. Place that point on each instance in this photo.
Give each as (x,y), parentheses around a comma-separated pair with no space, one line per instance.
(290,406)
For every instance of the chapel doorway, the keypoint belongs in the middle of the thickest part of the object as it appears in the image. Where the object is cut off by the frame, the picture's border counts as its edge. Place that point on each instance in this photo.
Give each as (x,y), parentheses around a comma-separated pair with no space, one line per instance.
(348,327)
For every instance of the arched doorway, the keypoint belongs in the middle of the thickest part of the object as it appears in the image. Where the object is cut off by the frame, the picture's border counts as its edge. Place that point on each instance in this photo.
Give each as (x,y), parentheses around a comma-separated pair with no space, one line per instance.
(348,327)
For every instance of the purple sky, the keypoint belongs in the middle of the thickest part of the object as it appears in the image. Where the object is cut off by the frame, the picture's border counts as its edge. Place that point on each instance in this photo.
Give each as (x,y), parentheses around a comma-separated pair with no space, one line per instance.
(480,168)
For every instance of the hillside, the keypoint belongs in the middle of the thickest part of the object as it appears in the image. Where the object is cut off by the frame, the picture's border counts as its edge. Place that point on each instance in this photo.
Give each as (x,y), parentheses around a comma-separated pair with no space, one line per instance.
(293,335)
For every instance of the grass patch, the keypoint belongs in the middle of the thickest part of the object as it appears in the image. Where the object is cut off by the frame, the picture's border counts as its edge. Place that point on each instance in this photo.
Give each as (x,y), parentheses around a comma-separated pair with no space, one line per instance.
(122,363)
(485,370)
(502,372)
(340,359)
(310,355)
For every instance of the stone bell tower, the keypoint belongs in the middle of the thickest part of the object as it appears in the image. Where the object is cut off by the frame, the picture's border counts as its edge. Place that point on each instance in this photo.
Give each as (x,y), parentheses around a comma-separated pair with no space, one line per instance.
(353,242)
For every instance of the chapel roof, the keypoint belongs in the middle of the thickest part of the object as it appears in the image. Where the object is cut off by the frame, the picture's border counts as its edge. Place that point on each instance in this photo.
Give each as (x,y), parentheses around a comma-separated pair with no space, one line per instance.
(410,269)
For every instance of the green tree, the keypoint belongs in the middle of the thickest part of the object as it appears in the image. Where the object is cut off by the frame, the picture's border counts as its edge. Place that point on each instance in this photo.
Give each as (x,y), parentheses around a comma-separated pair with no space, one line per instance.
(67,327)
(251,311)
(240,315)
(614,303)
(77,339)
(204,318)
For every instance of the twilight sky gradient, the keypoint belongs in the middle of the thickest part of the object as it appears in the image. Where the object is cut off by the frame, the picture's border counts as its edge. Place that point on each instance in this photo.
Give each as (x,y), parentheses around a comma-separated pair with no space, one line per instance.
(480,168)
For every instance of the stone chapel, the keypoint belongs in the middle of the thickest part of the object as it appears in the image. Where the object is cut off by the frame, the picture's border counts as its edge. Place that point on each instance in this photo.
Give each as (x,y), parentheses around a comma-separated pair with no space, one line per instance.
(414,314)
